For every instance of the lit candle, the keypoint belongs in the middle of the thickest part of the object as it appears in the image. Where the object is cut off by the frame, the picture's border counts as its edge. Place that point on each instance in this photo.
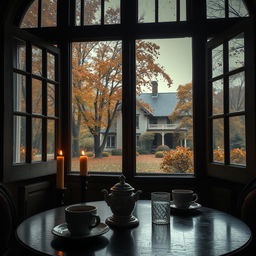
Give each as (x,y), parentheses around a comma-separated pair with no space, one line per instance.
(83,164)
(60,171)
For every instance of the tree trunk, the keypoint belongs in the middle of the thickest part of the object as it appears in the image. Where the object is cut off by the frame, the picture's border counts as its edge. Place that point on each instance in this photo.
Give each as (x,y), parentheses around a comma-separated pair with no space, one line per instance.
(76,137)
(97,148)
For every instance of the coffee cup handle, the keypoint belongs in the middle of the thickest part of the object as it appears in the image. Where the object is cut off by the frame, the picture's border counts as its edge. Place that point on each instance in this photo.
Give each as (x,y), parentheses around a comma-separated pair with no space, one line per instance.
(95,221)
(196,197)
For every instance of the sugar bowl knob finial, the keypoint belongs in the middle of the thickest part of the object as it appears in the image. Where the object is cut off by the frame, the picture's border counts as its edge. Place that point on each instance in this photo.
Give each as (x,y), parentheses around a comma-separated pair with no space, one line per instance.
(122,201)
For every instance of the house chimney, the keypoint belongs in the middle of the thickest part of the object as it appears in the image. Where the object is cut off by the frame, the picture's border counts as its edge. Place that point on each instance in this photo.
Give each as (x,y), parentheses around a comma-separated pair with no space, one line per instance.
(154,88)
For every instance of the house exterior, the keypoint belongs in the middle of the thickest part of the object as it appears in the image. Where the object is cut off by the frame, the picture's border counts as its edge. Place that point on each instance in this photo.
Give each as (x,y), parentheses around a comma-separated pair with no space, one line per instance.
(154,119)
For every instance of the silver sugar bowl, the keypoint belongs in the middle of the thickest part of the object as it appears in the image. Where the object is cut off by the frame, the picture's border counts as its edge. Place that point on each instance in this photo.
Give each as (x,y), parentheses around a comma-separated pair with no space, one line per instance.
(122,200)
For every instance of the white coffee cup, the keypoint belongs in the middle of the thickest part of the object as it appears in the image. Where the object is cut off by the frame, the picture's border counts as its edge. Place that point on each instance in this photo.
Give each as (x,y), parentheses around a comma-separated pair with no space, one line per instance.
(183,198)
(81,219)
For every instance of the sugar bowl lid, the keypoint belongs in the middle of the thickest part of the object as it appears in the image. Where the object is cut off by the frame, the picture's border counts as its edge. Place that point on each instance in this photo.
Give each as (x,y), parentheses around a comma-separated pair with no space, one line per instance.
(122,186)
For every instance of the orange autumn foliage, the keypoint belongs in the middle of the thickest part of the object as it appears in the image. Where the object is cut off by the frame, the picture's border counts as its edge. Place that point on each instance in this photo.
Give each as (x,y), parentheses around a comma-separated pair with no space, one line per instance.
(179,160)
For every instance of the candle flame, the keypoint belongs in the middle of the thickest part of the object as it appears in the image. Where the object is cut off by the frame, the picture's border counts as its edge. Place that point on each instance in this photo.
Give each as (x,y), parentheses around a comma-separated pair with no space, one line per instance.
(61,153)
(83,153)
(60,253)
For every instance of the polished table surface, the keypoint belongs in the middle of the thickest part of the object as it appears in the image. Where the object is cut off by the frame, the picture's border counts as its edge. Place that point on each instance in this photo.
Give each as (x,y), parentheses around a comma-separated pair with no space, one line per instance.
(207,232)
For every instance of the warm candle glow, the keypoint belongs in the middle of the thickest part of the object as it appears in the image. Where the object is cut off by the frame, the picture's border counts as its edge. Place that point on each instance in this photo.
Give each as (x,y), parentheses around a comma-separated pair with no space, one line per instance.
(83,164)
(60,170)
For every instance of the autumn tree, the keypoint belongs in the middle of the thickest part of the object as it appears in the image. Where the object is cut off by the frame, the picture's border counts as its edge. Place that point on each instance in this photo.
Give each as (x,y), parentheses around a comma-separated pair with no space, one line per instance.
(182,114)
(97,85)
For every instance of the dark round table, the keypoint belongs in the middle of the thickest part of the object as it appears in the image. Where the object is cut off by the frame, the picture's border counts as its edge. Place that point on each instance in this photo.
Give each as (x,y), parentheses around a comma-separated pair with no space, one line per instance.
(205,232)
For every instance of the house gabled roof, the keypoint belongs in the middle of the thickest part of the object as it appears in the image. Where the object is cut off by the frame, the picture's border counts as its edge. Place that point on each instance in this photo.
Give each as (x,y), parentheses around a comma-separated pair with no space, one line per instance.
(162,105)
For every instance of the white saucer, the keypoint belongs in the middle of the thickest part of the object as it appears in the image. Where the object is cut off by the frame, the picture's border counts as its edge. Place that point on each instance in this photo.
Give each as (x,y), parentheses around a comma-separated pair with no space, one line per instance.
(61,230)
(192,207)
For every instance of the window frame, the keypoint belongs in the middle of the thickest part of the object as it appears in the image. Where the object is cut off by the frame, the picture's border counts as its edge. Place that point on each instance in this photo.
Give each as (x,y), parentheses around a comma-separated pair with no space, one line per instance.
(29,169)
(128,31)
(227,170)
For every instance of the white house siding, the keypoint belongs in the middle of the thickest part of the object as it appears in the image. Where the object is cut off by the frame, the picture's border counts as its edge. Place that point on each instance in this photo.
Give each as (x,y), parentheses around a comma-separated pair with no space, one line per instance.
(143,121)
(119,132)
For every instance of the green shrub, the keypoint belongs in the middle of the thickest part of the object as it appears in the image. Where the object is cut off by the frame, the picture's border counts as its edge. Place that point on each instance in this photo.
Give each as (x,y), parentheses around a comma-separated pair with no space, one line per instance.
(116,152)
(162,148)
(159,154)
(89,154)
(105,154)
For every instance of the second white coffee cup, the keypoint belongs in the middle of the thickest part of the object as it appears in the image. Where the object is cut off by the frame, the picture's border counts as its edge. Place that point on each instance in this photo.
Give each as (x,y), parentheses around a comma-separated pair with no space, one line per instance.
(183,198)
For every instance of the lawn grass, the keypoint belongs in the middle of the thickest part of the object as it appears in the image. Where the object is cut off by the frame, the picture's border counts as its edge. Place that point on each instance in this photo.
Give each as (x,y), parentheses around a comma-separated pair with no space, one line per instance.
(145,164)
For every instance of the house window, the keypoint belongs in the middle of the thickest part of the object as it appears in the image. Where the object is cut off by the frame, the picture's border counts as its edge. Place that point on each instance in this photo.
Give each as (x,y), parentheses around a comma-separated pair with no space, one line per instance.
(34,98)
(137,141)
(111,141)
(137,121)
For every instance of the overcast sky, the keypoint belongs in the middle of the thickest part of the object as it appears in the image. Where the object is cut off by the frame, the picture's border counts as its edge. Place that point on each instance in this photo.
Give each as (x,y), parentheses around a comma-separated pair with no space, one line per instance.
(176,57)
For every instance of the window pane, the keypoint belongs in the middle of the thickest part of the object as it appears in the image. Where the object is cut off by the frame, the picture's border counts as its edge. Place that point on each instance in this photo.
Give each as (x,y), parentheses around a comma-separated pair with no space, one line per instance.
(50,66)
(50,99)
(215,9)
(78,13)
(146,9)
(50,139)
(36,61)
(112,12)
(92,12)
(19,139)
(237,140)
(167,10)
(164,92)
(19,89)
(217,97)
(218,140)
(236,52)
(30,19)
(36,96)
(36,139)
(183,10)
(217,61)
(236,92)
(20,57)
(97,82)
(237,9)
(49,13)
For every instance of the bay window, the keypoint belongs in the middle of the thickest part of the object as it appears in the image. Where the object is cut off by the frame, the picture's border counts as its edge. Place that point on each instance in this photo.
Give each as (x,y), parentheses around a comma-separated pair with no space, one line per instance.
(129,85)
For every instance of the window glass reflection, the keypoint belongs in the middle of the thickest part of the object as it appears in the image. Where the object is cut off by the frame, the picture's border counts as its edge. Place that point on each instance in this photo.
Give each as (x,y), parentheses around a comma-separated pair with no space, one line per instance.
(36,139)
(36,96)
(19,89)
(237,92)
(50,139)
(112,12)
(19,139)
(218,140)
(237,140)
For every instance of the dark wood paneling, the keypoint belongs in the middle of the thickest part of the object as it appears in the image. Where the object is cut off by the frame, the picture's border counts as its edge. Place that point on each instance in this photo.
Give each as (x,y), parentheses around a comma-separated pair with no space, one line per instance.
(36,197)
